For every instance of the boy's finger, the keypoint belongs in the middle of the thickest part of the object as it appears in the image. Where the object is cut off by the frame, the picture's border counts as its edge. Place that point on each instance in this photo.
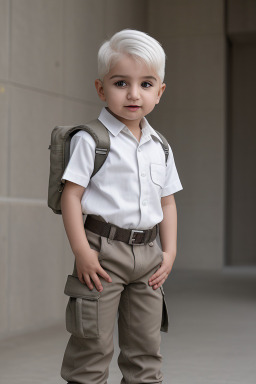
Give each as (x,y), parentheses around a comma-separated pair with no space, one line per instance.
(155,275)
(156,281)
(104,274)
(155,286)
(97,282)
(88,281)
(80,278)
(160,278)
(157,278)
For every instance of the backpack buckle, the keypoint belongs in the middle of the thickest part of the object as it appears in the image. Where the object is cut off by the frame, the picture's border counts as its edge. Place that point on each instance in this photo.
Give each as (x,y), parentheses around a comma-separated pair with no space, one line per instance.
(61,187)
(101,151)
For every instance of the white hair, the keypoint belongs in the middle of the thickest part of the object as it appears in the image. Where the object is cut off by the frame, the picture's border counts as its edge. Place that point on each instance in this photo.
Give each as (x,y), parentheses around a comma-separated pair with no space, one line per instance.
(135,43)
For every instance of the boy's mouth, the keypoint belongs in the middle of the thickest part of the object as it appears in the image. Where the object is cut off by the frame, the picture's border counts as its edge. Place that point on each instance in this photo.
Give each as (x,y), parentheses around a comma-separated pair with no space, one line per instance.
(132,107)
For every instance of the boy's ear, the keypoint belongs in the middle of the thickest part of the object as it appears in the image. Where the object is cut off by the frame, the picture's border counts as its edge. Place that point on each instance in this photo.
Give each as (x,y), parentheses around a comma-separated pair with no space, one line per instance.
(160,92)
(100,90)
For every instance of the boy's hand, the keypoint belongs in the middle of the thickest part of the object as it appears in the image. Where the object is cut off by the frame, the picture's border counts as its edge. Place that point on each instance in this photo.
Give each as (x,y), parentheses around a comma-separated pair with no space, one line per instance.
(159,277)
(88,267)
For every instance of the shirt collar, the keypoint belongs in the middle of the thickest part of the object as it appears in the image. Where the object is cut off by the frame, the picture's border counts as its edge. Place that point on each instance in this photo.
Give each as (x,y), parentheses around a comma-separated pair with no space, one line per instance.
(115,126)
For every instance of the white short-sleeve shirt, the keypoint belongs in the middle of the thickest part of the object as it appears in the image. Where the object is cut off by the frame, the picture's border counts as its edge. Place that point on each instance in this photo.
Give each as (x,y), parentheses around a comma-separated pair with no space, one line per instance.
(127,190)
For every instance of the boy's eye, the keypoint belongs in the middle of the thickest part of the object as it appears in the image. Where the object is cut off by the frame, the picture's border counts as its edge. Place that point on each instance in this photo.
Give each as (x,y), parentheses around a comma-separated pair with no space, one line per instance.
(146,84)
(120,83)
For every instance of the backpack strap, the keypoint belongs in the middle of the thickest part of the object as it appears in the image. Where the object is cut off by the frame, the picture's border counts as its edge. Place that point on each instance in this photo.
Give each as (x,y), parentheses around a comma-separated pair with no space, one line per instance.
(164,145)
(100,135)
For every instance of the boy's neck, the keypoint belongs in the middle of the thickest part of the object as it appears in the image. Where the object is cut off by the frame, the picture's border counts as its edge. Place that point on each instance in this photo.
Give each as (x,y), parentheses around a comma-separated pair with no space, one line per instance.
(132,125)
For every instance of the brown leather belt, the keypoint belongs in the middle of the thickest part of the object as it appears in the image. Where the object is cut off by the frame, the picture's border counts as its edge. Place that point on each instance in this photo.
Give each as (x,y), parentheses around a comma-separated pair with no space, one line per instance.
(129,236)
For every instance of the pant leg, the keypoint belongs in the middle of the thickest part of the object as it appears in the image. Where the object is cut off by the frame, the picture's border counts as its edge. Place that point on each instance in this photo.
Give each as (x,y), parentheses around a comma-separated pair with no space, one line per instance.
(90,348)
(86,359)
(139,322)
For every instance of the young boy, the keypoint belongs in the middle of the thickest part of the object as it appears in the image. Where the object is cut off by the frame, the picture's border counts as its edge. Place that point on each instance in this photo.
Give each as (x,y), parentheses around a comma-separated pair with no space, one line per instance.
(119,267)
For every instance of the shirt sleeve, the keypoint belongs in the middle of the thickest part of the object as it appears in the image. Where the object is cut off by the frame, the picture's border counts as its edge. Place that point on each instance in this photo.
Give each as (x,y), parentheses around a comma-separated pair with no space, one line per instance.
(81,162)
(172,180)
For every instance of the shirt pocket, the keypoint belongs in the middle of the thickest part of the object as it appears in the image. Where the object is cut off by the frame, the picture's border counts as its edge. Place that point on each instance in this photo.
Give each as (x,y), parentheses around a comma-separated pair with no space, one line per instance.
(157,172)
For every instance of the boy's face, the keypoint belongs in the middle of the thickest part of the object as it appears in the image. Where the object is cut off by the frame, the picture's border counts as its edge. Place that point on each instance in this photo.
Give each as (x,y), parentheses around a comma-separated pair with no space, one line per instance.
(130,89)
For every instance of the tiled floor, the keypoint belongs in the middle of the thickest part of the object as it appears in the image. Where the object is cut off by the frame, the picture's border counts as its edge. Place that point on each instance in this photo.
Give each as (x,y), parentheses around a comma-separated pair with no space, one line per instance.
(211,339)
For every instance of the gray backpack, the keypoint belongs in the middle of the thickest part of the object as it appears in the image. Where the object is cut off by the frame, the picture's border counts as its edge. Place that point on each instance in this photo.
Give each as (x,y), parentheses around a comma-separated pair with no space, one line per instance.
(60,153)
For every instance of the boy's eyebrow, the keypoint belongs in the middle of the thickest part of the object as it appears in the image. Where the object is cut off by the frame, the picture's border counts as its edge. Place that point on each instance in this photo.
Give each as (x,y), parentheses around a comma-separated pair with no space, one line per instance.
(128,77)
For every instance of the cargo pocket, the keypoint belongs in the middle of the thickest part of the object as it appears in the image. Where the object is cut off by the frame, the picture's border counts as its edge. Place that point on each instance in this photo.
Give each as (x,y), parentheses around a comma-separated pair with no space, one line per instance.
(165,318)
(82,309)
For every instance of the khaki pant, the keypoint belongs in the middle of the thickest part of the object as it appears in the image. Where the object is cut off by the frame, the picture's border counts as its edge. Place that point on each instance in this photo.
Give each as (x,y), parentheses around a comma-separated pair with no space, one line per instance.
(90,316)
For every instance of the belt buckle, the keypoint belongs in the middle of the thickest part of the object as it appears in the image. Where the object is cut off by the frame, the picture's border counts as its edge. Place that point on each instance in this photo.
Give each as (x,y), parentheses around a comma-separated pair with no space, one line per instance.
(132,239)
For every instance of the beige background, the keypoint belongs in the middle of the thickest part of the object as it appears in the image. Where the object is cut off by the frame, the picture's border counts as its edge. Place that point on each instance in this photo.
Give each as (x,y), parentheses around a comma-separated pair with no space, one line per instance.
(47,71)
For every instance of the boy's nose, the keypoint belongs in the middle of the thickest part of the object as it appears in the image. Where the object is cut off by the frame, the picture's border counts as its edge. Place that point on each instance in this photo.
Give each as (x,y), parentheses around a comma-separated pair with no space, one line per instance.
(133,93)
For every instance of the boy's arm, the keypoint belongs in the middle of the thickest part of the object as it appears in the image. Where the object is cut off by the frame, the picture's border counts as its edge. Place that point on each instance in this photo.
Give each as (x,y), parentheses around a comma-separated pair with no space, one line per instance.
(168,237)
(72,217)
(168,226)
(86,258)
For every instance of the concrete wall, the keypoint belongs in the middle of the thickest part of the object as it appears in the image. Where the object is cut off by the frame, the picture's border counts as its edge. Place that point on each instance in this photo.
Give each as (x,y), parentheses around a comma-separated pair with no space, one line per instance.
(241,31)
(192,116)
(241,20)
(47,71)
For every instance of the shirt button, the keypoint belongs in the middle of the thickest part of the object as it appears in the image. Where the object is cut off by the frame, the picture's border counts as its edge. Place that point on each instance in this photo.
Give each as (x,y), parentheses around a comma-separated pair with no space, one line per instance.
(143,174)
(144,202)
(150,244)
(139,150)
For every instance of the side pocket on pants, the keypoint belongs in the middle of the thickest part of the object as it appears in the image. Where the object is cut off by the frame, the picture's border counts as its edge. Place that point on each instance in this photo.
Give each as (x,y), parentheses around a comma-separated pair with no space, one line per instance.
(165,317)
(82,309)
